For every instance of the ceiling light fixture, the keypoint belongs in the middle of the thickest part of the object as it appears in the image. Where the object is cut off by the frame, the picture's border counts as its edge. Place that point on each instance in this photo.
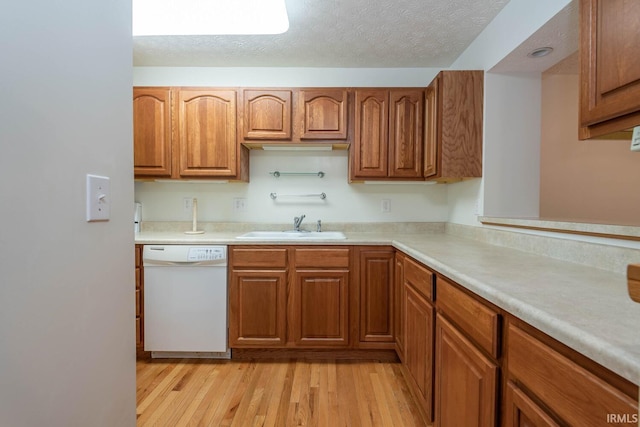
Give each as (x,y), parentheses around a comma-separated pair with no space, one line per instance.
(540,52)
(209,17)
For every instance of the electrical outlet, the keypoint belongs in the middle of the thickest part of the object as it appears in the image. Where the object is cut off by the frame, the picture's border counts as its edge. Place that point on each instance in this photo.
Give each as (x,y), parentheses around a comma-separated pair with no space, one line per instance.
(187,205)
(386,205)
(239,205)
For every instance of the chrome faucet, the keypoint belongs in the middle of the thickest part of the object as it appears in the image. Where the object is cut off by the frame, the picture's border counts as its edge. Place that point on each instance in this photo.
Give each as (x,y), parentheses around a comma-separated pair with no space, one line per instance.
(297,221)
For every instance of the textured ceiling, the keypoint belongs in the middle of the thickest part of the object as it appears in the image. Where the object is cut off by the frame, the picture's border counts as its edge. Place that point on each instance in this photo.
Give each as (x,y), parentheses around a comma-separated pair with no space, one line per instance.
(560,32)
(337,33)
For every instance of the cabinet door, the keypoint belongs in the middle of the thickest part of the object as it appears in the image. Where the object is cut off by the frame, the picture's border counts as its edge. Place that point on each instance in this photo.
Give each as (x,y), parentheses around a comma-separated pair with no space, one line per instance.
(267,114)
(370,148)
(399,303)
(207,133)
(466,380)
(571,392)
(319,314)
(376,296)
(418,345)
(139,299)
(521,411)
(152,131)
(431,130)
(257,308)
(610,62)
(405,133)
(322,113)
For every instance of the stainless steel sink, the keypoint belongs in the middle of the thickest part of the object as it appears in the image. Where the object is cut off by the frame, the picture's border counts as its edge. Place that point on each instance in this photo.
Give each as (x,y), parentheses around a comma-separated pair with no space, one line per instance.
(292,235)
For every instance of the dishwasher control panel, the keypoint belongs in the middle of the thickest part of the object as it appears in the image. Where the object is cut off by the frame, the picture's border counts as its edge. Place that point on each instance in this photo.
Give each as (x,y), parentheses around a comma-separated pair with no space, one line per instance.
(206,253)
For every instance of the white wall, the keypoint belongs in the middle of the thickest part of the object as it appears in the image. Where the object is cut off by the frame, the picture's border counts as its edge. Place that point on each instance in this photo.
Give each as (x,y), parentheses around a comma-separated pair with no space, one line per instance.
(283,77)
(67,338)
(345,202)
(511,141)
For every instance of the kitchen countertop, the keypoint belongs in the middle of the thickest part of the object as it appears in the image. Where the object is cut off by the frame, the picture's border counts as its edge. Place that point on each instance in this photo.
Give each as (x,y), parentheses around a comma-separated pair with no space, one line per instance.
(587,309)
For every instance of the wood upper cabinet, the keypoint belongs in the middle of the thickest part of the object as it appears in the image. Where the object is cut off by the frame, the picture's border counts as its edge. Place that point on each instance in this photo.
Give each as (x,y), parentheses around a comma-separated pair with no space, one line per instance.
(466,380)
(206,130)
(152,131)
(188,133)
(377,295)
(453,126)
(569,393)
(266,114)
(609,66)
(388,134)
(405,133)
(321,114)
(370,155)
(370,149)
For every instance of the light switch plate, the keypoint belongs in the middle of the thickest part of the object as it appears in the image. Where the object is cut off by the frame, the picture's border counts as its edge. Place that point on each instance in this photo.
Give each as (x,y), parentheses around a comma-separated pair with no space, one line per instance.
(635,139)
(98,198)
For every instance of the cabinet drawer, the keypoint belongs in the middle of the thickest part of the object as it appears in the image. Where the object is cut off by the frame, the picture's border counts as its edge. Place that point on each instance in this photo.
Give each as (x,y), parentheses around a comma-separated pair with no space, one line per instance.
(575,394)
(138,302)
(256,257)
(476,319)
(320,258)
(138,277)
(419,277)
(138,255)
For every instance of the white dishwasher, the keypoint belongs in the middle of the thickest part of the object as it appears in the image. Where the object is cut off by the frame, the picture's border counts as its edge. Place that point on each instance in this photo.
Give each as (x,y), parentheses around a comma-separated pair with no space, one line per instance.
(185,301)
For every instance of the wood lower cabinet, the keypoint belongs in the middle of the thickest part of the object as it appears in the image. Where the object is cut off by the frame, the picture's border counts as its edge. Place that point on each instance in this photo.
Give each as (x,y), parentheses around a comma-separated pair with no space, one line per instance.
(319,315)
(521,411)
(290,297)
(609,66)
(258,296)
(466,366)
(377,318)
(559,387)
(139,293)
(257,303)
(418,345)
(453,129)
(399,303)
(466,380)
(418,327)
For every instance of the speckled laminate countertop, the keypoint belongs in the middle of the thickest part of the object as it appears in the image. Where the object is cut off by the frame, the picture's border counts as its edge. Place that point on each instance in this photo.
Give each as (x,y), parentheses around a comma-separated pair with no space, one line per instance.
(587,309)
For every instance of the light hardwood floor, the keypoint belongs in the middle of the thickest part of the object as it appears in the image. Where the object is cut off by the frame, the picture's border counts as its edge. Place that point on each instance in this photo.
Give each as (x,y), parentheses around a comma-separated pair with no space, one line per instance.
(200,392)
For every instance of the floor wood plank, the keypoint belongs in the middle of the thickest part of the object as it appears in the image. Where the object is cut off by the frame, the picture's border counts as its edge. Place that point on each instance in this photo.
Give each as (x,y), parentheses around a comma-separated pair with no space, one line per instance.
(273,393)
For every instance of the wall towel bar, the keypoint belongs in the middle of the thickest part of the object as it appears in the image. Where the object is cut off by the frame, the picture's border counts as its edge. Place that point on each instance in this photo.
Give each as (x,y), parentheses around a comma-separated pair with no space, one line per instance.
(278,174)
(320,195)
